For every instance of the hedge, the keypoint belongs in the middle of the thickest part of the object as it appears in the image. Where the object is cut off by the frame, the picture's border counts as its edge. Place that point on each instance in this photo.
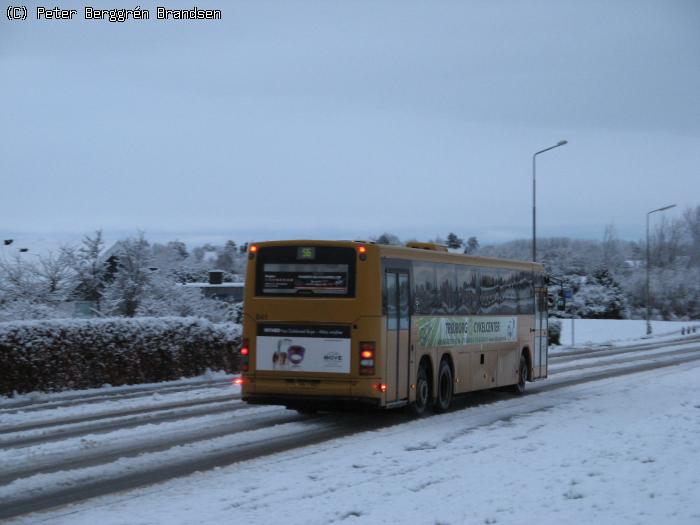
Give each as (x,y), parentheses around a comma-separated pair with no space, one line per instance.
(56,355)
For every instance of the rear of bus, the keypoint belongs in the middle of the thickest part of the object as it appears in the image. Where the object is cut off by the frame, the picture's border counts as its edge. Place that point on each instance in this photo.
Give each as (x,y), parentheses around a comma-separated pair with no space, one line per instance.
(312,315)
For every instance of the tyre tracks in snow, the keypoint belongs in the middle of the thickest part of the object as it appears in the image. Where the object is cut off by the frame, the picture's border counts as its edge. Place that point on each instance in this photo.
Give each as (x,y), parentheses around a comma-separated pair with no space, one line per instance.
(155,406)
(99,397)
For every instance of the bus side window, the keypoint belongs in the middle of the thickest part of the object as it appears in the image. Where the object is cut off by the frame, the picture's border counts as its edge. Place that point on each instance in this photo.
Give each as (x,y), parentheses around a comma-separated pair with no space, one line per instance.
(446,288)
(404,306)
(391,311)
(467,290)
(424,287)
(384,298)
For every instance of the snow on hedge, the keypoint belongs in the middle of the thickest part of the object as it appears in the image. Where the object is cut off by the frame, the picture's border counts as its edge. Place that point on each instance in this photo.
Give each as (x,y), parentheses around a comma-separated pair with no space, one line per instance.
(51,355)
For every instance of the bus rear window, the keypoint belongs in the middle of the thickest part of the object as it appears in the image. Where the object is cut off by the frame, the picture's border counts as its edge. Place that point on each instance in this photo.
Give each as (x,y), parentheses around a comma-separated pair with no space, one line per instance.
(312,271)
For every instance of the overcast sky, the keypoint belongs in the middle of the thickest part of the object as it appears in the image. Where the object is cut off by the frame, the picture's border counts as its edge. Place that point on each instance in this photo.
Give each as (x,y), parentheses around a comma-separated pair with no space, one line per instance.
(344,119)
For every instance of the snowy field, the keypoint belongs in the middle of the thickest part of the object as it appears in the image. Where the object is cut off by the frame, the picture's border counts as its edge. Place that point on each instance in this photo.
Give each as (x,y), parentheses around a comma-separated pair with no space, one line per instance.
(615,451)
(603,331)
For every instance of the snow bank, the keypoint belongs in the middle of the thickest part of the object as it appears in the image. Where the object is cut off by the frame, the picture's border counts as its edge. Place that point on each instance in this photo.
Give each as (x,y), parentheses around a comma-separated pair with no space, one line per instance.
(76,353)
(599,331)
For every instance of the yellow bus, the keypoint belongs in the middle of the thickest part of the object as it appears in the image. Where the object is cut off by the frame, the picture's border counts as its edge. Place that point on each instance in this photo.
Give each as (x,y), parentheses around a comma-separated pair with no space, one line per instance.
(328,323)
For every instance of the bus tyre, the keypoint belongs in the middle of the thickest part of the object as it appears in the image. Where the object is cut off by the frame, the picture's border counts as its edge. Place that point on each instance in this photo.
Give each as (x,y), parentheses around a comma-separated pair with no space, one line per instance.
(519,387)
(419,406)
(444,387)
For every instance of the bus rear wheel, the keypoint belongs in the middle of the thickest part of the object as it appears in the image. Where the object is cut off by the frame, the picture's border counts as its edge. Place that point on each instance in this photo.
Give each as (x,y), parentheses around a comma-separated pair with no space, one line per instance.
(420,405)
(519,387)
(444,387)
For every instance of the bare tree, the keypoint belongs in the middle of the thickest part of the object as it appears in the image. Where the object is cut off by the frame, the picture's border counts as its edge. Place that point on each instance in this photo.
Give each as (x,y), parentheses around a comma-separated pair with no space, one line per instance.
(692,223)
(54,274)
(666,242)
(388,238)
(612,257)
(472,246)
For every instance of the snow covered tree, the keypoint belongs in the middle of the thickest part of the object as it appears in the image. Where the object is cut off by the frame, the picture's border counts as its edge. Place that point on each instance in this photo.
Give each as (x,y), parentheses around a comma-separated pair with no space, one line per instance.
(163,296)
(169,256)
(17,280)
(33,289)
(54,275)
(90,272)
(123,294)
(228,259)
(599,297)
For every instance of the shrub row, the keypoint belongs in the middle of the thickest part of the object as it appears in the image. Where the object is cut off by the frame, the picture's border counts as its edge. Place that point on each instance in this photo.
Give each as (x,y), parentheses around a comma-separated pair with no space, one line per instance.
(55,355)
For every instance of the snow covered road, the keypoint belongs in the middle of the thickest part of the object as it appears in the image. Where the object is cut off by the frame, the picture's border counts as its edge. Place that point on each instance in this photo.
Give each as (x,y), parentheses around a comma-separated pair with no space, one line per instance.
(618,451)
(90,460)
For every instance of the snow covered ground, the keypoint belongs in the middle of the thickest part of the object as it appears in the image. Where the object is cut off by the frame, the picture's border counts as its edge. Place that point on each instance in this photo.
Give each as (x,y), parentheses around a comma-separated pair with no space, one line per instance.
(603,331)
(615,451)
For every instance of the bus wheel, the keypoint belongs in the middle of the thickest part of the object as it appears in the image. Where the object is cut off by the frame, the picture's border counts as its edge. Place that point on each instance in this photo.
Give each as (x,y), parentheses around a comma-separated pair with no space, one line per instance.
(444,390)
(419,406)
(519,387)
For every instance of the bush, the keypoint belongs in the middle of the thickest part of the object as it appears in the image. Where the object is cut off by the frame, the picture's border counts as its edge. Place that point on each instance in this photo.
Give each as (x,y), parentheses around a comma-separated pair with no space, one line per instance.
(554,331)
(55,355)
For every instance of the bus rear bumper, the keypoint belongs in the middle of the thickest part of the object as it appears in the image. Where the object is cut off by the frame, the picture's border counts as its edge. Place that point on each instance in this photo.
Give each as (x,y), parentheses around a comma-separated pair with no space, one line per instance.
(311,401)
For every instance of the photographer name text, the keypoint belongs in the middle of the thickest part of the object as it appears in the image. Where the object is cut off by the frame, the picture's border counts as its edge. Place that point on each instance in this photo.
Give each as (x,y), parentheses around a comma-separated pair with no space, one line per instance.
(112,15)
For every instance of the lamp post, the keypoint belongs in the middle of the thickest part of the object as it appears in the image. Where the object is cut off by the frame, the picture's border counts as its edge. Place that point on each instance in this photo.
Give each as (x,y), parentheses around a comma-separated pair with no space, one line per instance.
(647,287)
(534,207)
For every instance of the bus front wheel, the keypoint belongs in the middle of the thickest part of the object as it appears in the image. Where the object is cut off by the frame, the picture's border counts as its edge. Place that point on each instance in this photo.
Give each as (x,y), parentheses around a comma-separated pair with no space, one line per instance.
(420,405)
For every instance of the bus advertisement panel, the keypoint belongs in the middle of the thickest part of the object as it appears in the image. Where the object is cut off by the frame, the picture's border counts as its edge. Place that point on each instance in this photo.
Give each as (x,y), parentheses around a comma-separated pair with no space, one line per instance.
(303,348)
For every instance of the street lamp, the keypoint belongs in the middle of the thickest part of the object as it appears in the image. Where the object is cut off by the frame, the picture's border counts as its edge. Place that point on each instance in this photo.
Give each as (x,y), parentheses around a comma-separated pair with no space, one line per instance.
(647,290)
(534,208)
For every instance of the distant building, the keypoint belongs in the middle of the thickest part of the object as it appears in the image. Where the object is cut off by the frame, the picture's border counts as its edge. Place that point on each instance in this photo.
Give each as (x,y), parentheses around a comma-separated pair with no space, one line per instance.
(217,289)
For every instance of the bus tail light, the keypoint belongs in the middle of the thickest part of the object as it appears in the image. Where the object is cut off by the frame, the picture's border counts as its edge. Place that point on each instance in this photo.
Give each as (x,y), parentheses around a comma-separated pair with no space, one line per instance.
(245,354)
(237,381)
(362,251)
(380,387)
(367,358)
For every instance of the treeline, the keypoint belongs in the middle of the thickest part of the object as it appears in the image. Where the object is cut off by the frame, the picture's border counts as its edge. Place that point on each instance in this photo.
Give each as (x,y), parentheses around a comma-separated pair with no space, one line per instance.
(136,278)
(131,278)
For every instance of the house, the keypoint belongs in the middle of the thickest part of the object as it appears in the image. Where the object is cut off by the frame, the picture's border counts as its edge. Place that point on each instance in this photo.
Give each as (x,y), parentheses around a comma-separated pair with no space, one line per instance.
(215,288)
